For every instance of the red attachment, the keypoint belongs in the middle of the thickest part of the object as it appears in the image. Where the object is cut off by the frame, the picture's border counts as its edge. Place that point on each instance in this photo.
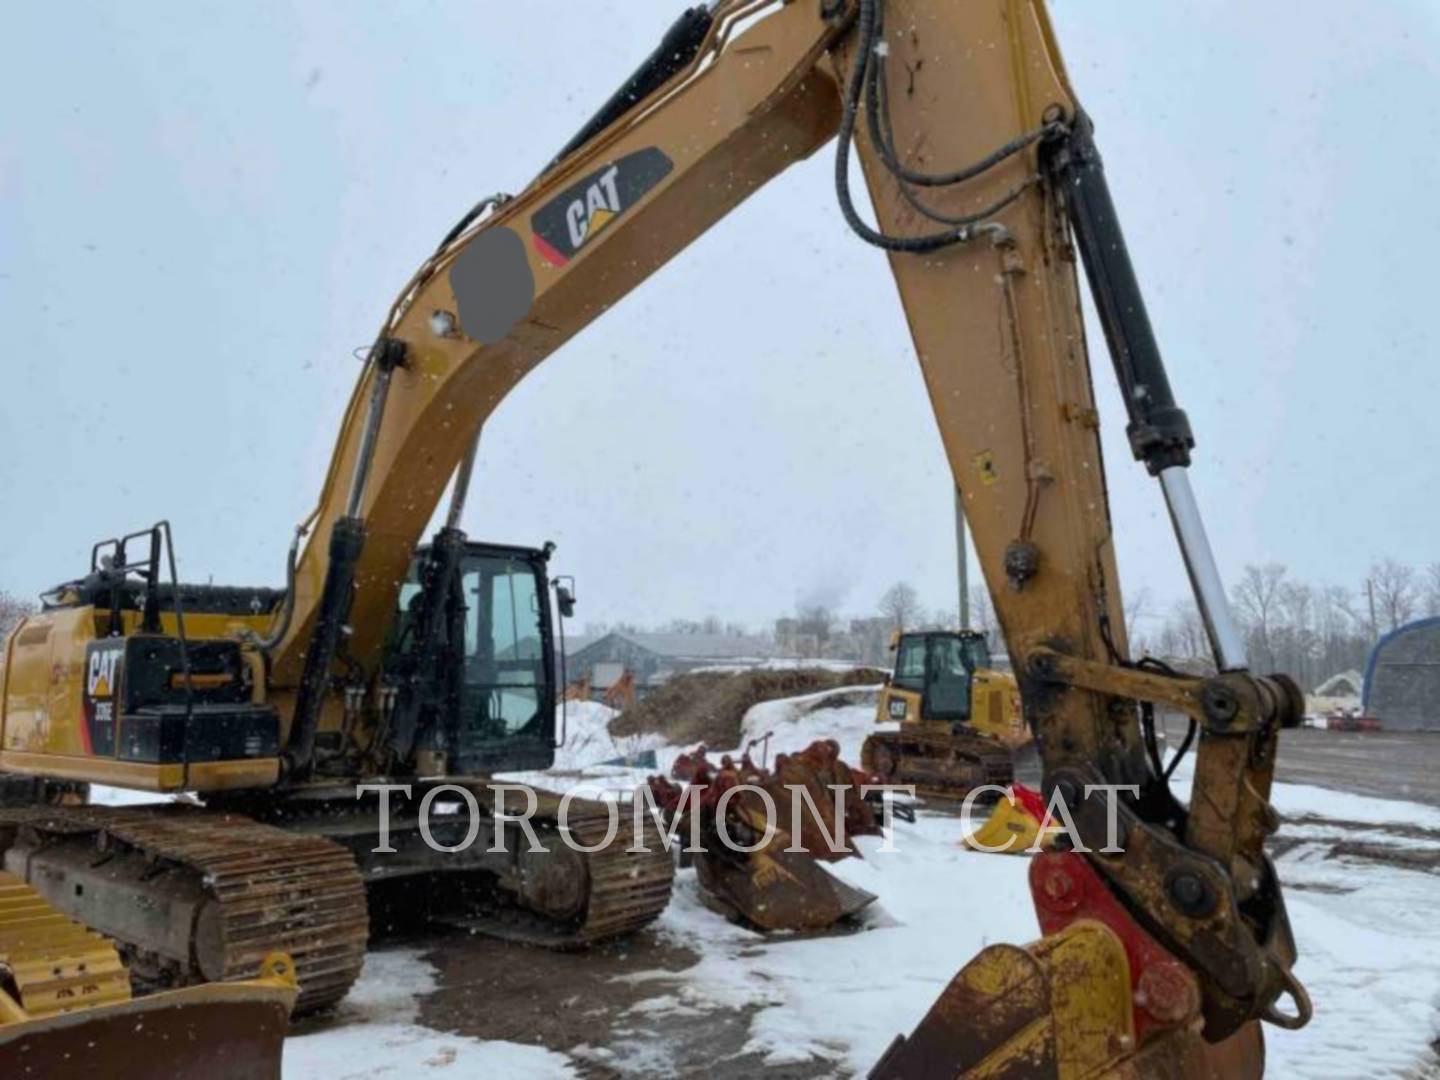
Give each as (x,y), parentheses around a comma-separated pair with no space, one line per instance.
(1353,723)
(1029,800)
(667,795)
(816,767)
(686,765)
(1066,888)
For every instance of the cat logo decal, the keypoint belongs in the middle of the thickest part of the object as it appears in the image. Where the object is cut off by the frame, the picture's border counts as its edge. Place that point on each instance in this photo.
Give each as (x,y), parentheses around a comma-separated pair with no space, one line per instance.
(582,211)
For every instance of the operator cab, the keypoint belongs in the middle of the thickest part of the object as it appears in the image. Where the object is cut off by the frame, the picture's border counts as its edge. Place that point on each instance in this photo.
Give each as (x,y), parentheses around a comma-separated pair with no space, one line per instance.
(939,666)
(471,657)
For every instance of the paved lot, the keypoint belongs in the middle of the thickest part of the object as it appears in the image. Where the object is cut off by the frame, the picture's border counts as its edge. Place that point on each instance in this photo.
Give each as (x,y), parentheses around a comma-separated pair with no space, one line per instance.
(1386,765)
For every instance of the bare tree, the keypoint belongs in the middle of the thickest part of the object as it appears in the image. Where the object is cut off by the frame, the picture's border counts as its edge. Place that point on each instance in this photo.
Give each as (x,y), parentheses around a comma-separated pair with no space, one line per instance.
(901,605)
(12,610)
(982,616)
(941,618)
(1137,607)
(1296,645)
(1432,589)
(1257,599)
(1394,591)
(1183,635)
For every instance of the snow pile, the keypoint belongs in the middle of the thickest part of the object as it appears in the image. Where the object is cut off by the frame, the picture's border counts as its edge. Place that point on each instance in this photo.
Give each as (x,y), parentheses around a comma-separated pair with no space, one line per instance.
(375,1034)
(845,714)
(103,795)
(586,725)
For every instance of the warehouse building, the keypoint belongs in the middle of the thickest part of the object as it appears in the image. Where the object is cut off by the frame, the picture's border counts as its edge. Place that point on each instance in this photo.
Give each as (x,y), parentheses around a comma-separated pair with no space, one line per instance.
(1402,678)
(654,658)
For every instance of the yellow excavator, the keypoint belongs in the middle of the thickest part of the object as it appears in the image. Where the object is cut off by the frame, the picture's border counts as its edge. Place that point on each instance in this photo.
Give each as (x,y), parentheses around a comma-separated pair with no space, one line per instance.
(387,659)
(959,717)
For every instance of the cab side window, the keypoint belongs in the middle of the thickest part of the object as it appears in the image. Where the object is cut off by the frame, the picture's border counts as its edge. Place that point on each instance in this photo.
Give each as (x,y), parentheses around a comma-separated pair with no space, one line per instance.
(910,664)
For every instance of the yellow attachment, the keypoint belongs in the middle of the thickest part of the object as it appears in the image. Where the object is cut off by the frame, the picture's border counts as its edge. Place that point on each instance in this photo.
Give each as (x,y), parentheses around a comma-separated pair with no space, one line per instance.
(1059,1007)
(51,964)
(214,1031)
(277,970)
(1010,830)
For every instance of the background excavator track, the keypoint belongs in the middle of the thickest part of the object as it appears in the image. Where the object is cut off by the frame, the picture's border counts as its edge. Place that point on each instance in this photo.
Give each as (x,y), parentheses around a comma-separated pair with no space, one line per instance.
(274,891)
(946,766)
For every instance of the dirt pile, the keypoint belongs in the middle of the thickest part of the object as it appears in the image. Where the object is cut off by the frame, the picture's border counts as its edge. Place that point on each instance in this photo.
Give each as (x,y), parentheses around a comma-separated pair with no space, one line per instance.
(709,706)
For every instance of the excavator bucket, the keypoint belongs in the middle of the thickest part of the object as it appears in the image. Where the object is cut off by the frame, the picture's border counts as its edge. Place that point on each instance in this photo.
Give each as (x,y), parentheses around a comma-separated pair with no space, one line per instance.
(778,890)
(66,1007)
(781,884)
(1012,826)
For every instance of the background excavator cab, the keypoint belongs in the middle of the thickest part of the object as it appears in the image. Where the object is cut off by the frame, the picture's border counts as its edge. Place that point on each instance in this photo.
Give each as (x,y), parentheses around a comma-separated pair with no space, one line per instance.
(947,677)
(938,667)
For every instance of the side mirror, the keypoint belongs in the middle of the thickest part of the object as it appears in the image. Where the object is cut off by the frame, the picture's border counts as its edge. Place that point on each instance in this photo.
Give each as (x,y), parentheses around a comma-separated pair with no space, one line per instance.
(565,596)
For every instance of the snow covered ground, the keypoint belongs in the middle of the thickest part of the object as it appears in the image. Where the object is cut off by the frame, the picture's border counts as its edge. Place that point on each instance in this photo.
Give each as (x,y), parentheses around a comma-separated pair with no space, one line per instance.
(1367,935)
(374,1033)
(1369,942)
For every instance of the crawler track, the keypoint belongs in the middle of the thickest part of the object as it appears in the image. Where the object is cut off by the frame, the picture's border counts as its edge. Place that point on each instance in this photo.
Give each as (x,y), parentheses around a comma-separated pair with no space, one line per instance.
(938,765)
(263,890)
(625,890)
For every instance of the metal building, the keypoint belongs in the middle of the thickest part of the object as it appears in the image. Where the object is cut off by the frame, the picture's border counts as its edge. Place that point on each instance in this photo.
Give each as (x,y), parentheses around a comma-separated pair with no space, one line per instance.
(1402,678)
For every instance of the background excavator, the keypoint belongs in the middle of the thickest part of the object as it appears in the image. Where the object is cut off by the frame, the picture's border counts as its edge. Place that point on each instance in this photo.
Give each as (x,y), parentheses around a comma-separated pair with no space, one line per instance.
(385,659)
(960,718)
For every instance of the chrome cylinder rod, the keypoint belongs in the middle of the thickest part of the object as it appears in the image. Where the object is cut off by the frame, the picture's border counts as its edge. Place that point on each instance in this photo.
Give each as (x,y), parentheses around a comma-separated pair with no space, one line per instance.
(379,389)
(1225,640)
(461,490)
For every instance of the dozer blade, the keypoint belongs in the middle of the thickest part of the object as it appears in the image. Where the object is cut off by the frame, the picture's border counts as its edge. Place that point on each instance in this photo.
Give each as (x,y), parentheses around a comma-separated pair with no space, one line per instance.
(217,1031)
(778,890)
(1012,827)
(66,1007)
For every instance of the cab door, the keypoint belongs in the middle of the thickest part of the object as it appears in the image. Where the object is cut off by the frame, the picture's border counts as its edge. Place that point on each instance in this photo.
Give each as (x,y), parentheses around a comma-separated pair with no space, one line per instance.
(947,679)
(902,700)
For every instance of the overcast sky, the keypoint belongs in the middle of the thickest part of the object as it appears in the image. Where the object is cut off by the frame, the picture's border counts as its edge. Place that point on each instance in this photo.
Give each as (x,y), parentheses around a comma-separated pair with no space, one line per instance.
(206,207)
